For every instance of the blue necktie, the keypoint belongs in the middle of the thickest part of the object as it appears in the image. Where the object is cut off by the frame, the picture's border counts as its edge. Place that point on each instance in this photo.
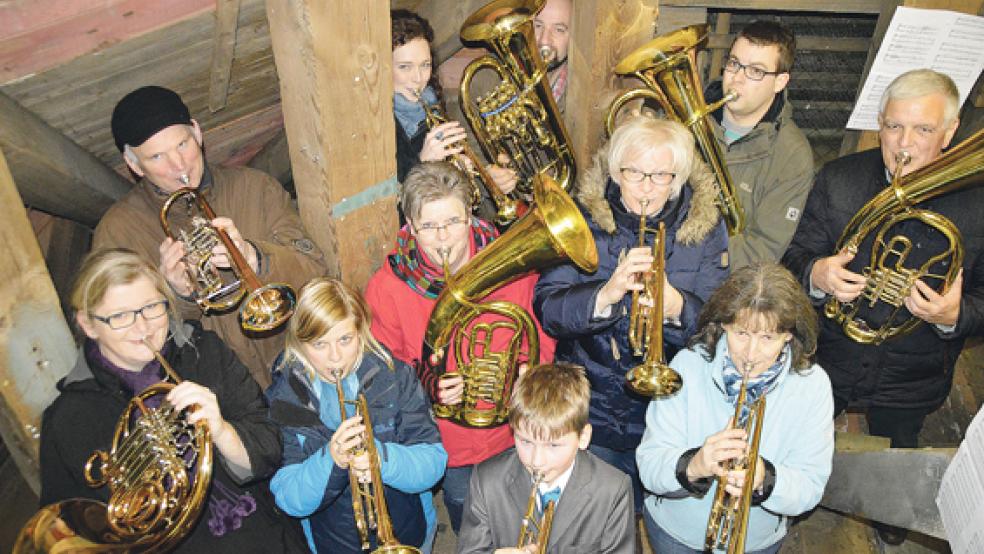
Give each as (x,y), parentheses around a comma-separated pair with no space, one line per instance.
(552,495)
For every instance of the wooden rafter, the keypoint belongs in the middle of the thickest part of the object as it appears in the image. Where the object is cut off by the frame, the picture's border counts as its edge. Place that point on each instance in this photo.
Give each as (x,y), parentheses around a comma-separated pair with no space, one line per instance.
(226,23)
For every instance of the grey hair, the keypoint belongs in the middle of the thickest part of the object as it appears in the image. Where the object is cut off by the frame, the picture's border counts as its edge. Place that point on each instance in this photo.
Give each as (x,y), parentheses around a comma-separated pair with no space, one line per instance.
(430,181)
(642,134)
(923,82)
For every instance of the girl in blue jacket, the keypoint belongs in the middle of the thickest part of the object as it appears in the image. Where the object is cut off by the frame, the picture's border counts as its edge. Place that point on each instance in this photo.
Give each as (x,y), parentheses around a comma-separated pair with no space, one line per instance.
(329,339)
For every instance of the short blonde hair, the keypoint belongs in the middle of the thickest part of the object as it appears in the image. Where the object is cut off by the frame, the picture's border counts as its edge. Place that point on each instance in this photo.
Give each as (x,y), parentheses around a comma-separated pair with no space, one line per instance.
(430,181)
(550,400)
(323,303)
(642,134)
(106,268)
(923,82)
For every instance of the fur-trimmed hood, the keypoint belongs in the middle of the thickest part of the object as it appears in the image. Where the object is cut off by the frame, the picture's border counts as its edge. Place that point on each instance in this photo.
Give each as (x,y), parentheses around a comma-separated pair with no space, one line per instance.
(702,215)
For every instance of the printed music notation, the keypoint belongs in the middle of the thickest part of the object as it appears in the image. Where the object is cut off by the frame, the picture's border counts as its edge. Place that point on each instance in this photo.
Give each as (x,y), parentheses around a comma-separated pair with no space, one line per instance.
(961,495)
(946,41)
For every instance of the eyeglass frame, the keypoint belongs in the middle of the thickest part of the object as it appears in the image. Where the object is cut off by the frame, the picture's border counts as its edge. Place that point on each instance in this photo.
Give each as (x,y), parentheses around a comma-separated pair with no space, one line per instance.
(434,229)
(106,319)
(643,176)
(744,68)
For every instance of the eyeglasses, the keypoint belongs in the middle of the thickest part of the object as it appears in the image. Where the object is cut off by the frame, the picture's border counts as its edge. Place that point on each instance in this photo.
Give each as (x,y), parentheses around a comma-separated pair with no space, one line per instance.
(122,320)
(433,229)
(752,72)
(634,176)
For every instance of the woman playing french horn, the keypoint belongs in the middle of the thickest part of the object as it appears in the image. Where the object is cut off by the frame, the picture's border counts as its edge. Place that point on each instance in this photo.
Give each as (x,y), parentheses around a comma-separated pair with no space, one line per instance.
(125,310)
(329,339)
(757,335)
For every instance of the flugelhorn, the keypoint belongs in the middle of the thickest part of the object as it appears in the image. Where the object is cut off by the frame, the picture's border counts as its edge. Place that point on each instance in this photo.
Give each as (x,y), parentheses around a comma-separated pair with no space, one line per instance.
(507,208)
(518,118)
(533,529)
(368,497)
(552,232)
(727,526)
(653,377)
(667,66)
(265,307)
(878,314)
(158,470)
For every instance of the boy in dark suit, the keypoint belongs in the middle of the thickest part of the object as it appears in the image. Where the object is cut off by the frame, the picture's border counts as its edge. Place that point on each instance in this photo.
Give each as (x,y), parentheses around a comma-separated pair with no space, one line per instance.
(592,501)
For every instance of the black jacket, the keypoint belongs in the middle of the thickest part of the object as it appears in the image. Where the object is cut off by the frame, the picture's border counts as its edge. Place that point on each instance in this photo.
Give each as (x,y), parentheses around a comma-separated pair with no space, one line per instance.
(910,371)
(82,419)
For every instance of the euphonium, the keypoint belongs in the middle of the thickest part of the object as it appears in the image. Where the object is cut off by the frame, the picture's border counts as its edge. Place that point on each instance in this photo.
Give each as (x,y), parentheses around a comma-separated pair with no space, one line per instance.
(533,530)
(368,498)
(727,526)
(653,377)
(158,471)
(519,117)
(878,313)
(266,306)
(667,65)
(552,232)
(507,208)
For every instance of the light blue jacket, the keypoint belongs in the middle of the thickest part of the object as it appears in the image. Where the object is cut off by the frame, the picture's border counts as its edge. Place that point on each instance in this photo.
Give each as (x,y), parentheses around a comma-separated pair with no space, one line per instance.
(797,438)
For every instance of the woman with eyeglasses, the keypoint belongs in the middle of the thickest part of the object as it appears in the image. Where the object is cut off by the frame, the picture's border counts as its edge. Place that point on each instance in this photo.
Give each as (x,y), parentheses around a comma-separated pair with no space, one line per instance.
(125,311)
(647,170)
(439,231)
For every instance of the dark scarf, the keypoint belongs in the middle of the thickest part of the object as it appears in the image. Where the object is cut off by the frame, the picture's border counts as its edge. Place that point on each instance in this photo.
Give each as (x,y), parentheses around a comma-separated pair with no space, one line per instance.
(410,264)
(757,386)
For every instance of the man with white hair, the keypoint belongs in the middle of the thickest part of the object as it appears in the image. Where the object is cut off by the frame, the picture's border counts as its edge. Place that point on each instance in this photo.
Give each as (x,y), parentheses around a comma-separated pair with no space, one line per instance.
(905,378)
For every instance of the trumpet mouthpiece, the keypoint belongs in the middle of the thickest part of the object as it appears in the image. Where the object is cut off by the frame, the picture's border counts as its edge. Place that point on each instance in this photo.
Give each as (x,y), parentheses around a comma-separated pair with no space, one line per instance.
(903,157)
(185,179)
(547,53)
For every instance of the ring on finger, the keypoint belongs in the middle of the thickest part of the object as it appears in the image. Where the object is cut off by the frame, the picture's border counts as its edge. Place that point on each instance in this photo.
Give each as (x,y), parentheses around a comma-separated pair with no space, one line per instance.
(439,135)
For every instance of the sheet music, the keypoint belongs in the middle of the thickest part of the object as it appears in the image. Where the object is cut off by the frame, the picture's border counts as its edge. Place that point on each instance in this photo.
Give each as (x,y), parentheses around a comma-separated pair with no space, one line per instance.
(961,495)
(948,42)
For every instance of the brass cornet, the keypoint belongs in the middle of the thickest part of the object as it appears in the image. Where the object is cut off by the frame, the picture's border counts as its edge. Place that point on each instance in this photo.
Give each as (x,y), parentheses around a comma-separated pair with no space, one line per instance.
(368,498)
(533,530)
(653,377)
(266,306)
(727,526)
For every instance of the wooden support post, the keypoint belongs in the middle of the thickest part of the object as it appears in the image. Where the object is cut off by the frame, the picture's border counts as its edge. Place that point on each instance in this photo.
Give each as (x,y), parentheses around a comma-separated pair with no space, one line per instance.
(36,346)
(603,32)
(226,24)
(55,174)
(722,27)
(336,86)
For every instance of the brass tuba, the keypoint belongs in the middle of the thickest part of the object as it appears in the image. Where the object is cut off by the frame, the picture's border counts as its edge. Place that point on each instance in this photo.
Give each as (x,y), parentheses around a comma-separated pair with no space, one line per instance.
(368,498)
(266,306)
(533,530)
(158,470)
(866,320)
(667,65)
(552,232)
(727,526)
(519,117)
(653,377)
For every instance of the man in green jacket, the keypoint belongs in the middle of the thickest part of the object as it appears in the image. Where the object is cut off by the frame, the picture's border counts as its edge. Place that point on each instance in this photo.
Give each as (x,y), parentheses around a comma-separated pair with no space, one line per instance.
(769,158)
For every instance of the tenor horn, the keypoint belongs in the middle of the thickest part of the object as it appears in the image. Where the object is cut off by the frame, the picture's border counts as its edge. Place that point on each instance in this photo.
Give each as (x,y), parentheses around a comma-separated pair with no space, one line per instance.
(552,232)
(518,118)
(265,307)
(667,66)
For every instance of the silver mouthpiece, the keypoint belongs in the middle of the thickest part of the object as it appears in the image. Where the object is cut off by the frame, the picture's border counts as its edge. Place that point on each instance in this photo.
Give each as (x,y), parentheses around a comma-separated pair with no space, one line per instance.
(185,180)
(547,53)
(903,157)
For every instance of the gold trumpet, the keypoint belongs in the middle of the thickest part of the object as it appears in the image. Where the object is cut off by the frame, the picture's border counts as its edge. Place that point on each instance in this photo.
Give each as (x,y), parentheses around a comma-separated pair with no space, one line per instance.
(158,471)
(507,207)
(653,377)
(368,498)
(533,530)
(727,526)
(266,306)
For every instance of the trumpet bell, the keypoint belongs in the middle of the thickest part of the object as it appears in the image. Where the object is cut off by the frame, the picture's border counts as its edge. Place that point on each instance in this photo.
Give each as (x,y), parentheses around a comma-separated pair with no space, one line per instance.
(654,379)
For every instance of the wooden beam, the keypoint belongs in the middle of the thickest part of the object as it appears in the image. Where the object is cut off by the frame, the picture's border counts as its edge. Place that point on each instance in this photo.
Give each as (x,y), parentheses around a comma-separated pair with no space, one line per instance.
(718,41)
(36,346)
(446,19)
(602,33)
(226,23)
(838,6)
(336,85)
(722,27)
(54,174)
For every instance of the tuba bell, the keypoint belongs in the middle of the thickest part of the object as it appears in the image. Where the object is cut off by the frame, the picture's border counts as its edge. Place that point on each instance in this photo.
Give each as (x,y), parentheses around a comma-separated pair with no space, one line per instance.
(533,529)
(519,117)
(368,498)
(667,66)
(878,314)
(158,470)
(265,307)
(552,232)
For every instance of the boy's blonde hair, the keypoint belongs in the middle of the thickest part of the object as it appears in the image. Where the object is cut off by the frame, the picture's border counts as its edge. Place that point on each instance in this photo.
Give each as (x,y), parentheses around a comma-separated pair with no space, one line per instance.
(550,400)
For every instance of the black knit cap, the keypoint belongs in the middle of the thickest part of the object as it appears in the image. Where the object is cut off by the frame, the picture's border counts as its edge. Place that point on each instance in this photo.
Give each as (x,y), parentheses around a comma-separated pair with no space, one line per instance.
(144,112)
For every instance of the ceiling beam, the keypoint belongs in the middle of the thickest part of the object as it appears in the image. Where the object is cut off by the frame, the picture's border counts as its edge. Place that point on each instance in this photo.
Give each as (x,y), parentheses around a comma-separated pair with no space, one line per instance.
(226,24)
(839,6)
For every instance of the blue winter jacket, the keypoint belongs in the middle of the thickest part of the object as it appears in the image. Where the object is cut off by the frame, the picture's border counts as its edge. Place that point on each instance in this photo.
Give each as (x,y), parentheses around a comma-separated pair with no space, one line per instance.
(696,264)
(310,486)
